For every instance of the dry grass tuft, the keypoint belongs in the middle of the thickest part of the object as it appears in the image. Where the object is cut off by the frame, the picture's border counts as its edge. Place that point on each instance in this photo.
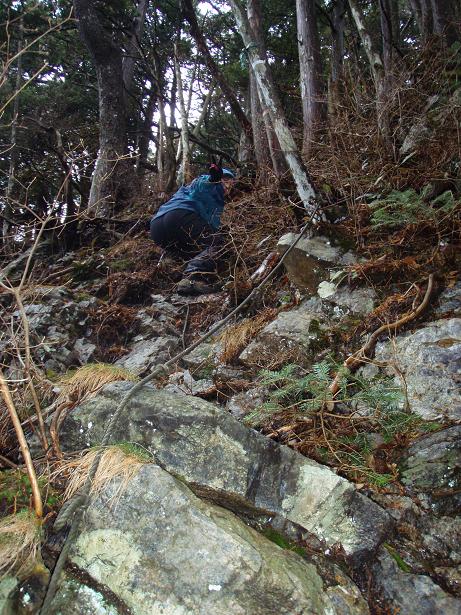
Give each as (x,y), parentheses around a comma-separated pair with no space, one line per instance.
(236,338)
(121,461)
(20,537)
(87,381)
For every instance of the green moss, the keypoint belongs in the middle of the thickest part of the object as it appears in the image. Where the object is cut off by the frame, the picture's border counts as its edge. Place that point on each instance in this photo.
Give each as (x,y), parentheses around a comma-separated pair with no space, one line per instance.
(132,449)
(205,371)
(282,541)
(124,264)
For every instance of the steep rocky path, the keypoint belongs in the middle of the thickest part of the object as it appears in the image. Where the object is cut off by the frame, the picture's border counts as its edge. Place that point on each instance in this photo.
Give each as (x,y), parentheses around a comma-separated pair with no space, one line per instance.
(223,519)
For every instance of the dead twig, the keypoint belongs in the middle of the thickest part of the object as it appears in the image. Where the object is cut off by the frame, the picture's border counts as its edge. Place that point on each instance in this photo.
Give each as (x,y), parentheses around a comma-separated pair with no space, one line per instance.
(38,506)
(360,357)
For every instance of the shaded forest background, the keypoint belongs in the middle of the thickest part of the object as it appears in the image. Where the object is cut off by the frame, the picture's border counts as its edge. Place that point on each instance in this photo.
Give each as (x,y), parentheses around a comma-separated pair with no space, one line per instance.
(368,90)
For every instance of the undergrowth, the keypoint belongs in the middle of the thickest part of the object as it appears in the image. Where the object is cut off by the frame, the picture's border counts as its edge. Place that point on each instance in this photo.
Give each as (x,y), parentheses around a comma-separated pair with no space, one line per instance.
(400,208)
(358,435)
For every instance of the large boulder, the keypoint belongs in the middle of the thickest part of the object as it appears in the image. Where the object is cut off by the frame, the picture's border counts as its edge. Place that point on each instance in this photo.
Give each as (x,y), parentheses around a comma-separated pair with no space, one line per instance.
(427,364)
(159,549)
(145,354)
(293,336)
(224,461)
(311,259)
(297,335)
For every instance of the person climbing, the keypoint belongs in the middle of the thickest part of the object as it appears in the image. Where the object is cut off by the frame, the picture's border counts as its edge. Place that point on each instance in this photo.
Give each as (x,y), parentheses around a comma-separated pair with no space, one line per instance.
(188,225)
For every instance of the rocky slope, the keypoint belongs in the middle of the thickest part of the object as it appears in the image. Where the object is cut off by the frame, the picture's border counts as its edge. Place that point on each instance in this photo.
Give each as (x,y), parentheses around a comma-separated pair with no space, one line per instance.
(227,520)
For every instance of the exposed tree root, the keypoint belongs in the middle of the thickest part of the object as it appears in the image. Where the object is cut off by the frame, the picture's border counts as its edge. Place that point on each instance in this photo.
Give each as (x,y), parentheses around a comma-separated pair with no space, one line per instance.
(358,358)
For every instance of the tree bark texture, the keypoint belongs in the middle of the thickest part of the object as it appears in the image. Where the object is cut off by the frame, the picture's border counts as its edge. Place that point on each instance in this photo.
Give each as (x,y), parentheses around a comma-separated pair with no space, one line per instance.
(184,170)
(8,211)
(146,130)
(310,66)
(266,147)
(446,17)
(132,47)
(269,98)
(336,82)
(377,69)
(426,20)
(113,178)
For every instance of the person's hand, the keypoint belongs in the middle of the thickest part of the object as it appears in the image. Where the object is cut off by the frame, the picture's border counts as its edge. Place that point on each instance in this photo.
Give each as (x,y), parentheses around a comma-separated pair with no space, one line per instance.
(215,172)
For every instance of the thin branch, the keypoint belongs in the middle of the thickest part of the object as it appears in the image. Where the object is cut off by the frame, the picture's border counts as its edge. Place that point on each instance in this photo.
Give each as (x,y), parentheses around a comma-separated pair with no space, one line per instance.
(38,506)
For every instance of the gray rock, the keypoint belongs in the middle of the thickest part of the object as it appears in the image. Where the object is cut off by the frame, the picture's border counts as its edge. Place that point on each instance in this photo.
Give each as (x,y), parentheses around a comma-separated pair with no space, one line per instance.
(360,301)
(185,384)
(449,303)
(234,466)
(145,354)
(227,373)
(441,539)
(83,351)
(202,360)
(7,586)
(418,134)
(429,366)
(450,577)
(410,594)
(75,598)
(432,470)
(434,115)
(308,263)
(294,335)
(242,404)
(157,320)
(159,549)
(297,335)
(56,320)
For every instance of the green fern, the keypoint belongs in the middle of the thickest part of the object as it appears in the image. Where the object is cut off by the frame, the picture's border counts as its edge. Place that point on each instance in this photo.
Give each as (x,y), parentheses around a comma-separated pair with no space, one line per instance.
(410,207)
(292,389)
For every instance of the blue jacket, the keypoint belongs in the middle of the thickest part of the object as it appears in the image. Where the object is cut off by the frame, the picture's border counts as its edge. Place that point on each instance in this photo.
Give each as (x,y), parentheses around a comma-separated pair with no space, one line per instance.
(202,197)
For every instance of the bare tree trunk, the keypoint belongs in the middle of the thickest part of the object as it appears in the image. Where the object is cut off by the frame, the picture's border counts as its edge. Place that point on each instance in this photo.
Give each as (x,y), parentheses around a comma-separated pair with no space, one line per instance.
(259,115)
(426,20)
(395,19)
(203,112)
(189,14)
(260,142)
(166,158)
(270,99)
(146,131)
(113,179)
(336,81)
(187,107)
(132,48)
(245,150)
(377,69)
(8,211)
(415,7)
(445,18)
(385,9)
(184,169)
(310,65)
(70,222)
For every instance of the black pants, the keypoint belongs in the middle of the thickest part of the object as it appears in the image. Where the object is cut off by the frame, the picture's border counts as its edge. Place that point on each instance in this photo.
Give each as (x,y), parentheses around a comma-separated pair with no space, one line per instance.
(189,236)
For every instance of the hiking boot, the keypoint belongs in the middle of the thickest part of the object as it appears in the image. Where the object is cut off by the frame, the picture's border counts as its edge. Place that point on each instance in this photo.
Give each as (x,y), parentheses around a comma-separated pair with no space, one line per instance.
(195,286)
